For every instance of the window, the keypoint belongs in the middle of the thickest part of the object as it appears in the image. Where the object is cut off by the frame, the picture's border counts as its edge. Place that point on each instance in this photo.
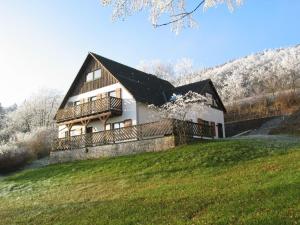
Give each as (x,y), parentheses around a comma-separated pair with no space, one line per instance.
(93,75)
(128,123)
(92,98)
(213,128)
(73,132)
(107,126)
(89,77)
(97,74)
(203,122)
(118,125)
(76,103)
(112,94)
(209,98)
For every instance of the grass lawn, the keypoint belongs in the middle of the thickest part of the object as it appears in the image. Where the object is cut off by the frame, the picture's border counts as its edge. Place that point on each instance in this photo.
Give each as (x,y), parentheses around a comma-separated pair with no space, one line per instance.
(222,182)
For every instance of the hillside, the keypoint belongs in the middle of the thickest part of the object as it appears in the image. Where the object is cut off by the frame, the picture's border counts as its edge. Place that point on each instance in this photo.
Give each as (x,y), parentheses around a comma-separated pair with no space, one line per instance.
(291,125)
(257,74)
(221,182)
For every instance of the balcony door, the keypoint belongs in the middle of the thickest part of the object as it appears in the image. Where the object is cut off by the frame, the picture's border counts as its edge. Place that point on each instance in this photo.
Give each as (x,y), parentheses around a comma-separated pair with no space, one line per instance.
(220,130)
(88,136)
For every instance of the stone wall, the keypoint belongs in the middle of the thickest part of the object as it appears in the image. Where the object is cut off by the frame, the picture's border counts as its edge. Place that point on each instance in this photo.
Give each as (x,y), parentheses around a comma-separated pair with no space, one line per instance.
(118,149)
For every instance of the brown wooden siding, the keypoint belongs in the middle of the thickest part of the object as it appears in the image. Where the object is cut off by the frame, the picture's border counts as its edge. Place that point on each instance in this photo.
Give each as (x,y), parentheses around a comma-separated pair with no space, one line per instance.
(82,86)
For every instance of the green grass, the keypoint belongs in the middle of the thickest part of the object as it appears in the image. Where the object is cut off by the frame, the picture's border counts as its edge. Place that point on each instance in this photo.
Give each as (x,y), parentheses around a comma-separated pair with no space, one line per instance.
(221,182)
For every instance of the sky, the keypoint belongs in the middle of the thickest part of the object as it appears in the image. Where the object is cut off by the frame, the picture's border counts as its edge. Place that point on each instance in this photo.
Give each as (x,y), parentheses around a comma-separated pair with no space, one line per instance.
(43,43)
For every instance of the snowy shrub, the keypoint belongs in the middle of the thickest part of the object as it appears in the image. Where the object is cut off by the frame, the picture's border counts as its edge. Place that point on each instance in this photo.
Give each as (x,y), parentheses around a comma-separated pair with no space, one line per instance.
(26,147)
(39,141)
(13,156)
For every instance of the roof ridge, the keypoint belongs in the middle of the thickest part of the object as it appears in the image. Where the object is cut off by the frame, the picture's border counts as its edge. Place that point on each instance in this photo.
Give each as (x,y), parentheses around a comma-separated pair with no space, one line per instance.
(200,81)
(149,74)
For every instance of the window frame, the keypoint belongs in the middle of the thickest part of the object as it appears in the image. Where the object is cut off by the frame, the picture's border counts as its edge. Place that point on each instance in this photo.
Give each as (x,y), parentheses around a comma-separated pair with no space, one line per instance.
(110,92)
(119,124)
(93,75)
(92,99)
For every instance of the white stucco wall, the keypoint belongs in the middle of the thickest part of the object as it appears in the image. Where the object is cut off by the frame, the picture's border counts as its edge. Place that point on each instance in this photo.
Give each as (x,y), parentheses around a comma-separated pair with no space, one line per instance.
(206,113)
(146,114)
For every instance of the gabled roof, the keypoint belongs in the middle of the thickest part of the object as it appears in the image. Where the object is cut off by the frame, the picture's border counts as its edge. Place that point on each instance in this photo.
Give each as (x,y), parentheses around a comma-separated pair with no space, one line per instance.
(144,87)
(201,87)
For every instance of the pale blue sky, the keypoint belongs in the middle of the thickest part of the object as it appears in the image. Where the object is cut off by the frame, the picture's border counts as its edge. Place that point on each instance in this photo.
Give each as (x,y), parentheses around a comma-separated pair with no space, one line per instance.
(44,42)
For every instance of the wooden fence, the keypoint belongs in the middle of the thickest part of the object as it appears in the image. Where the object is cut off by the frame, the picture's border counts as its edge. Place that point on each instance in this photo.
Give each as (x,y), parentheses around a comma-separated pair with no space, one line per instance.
(161,128)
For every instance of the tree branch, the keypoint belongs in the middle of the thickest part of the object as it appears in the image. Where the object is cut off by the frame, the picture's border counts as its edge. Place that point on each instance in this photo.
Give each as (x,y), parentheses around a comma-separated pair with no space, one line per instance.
(182,16)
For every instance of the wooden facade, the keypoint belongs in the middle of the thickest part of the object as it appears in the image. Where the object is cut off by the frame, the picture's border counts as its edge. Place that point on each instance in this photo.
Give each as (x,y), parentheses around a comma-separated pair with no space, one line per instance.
(82,86)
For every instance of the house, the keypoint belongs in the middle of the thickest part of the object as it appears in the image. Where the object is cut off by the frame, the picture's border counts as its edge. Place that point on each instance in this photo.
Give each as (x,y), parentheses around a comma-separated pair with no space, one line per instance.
(109,96)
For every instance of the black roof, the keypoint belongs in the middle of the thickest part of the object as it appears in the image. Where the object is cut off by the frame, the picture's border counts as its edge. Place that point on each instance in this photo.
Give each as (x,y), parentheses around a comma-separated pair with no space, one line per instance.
(201,87)
(143,86)
(147,88)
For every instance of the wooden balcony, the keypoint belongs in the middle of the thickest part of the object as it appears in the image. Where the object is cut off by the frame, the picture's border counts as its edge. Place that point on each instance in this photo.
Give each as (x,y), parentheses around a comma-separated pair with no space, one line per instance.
(105,105)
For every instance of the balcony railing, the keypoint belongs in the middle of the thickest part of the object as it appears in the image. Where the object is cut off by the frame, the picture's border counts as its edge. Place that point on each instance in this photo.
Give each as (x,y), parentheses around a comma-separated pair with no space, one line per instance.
(108,104)
(181,129)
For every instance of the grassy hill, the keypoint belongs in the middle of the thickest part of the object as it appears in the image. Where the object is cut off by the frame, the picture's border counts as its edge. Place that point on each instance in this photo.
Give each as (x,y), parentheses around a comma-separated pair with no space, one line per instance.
(222,182)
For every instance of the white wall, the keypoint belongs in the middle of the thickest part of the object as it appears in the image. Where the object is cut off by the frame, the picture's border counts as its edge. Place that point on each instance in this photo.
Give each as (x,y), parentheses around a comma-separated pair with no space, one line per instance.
(146,114)
(206,113)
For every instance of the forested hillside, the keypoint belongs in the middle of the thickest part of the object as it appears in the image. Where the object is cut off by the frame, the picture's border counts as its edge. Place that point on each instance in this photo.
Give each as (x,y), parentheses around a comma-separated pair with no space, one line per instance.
(265,72)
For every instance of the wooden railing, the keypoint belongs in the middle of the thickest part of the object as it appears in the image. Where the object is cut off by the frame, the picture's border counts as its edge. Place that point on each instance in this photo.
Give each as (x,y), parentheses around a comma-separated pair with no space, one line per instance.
(137,132)
(90,108)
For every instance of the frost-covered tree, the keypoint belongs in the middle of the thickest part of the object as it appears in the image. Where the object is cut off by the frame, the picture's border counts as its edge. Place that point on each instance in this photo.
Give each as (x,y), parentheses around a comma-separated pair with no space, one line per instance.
(178,13)
(291,70)
(156,67)
(257,74)
(181,107)
(36,111)
(2,114)
(169,71)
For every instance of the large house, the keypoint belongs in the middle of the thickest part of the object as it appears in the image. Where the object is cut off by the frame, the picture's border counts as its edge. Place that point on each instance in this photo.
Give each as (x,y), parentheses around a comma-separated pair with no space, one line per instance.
(109,96)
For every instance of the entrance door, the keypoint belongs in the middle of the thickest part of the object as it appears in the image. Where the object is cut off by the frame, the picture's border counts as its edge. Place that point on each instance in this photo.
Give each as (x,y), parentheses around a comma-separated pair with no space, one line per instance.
(88,135)
(220,130)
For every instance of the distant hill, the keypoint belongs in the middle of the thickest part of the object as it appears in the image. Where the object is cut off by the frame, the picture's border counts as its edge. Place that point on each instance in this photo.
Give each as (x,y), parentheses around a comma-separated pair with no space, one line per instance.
(257,74)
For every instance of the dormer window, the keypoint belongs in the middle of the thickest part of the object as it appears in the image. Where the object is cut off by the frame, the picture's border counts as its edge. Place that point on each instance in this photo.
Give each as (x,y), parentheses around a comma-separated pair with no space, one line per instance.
(93,75)
(209,99)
